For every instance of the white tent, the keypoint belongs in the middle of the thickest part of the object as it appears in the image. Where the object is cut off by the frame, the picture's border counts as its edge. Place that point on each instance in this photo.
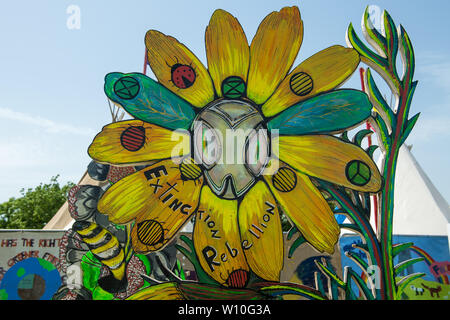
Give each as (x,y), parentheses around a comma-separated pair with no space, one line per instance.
(419,208)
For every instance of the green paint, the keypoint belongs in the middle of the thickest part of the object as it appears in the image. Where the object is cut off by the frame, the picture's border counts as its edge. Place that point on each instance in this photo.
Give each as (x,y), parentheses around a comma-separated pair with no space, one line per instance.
(46,265)
(99,294)
(3,294)
(233,87)
(20,272)
(126,88)
(91,271)
(358,172)
(152,102)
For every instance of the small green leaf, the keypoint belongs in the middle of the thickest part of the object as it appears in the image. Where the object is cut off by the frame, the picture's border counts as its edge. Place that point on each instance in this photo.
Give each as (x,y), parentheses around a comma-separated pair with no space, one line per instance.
(356,43)
(391,41)
(297,243)
(344,136)
(361,284)
(409,126)
(373,33)
(404,264)
(396,249)
(371,149)
(378,100)
(360,135)
(407,54)
(291,233)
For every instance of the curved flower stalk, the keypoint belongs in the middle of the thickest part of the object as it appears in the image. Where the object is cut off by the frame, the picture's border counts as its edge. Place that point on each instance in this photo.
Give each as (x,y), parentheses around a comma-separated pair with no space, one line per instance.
(392,125)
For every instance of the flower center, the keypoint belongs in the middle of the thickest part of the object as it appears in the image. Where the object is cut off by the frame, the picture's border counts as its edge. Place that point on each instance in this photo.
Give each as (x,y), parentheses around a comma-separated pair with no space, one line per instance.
(231,142)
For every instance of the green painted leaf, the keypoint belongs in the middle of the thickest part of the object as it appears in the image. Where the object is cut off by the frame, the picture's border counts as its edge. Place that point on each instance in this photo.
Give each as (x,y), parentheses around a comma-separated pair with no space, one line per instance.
(329,112)
(404,264)
(407,53)
(297,243)
(360,135)
(148,100)
(378,99)
(361,284)
(372,32)
(371,149)
(391,41)
(364,51)
(409,126)
(396,249)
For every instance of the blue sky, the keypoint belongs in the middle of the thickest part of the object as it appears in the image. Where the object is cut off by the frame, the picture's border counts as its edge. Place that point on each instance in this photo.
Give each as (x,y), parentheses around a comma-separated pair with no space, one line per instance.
(51,77)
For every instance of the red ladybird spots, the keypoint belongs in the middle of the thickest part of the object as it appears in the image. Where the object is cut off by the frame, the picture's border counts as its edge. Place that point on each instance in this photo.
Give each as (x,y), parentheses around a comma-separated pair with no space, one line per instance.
(133,138)
(182,76)
(237,279)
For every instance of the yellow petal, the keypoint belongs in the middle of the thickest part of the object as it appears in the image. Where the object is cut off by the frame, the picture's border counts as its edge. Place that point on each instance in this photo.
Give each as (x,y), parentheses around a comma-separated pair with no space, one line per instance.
(331,159)
(321,72)
(178,69)
(226,49)
(159,197)
(163,291)
(304,205)
(217,242)
(273,51)
(135,141)
(261,233)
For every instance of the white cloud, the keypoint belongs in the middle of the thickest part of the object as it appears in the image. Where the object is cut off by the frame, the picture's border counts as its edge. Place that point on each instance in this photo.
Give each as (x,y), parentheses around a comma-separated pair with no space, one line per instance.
(48,125)
(435,68)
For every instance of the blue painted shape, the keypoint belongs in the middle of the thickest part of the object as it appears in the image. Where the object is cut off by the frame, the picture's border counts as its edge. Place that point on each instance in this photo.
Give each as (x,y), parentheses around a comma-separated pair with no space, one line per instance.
(21,276)
(152,103)
(339,218)
(329,112)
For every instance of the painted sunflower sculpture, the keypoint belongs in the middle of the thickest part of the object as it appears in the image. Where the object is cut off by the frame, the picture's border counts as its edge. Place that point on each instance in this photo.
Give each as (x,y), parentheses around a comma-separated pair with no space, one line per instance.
(185,130)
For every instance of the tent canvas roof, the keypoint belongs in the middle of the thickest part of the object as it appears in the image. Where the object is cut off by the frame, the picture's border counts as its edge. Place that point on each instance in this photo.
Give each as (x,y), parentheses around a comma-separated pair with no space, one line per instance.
(419,208)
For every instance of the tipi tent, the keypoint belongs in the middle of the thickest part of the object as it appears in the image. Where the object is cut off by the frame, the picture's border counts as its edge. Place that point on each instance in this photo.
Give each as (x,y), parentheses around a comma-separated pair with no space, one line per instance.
(419,208)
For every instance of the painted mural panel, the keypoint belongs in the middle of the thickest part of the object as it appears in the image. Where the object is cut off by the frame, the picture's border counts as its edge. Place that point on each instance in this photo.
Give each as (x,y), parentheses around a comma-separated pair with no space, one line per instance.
(30,268)
(432,257)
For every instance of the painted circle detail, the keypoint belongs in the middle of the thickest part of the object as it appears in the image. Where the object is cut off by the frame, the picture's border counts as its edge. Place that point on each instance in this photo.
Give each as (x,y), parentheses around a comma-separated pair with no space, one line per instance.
(133,138)
(182,76)
(284,180)
(30,279)
(301,83)
(233,87)
(358,172)
(126,88)
(150,232)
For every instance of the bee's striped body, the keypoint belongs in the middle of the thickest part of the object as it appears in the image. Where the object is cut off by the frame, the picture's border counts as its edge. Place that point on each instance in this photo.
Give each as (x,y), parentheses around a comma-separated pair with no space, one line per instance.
(104,245)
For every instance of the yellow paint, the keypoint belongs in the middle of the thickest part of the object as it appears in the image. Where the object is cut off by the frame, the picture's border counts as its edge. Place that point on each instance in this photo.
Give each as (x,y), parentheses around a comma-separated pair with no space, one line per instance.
(308,210)
(147,195)
(260,229)
(159,143)
(227,49)
(326,157)
(163,53)
(216,227)
(328,69)
(273,51)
